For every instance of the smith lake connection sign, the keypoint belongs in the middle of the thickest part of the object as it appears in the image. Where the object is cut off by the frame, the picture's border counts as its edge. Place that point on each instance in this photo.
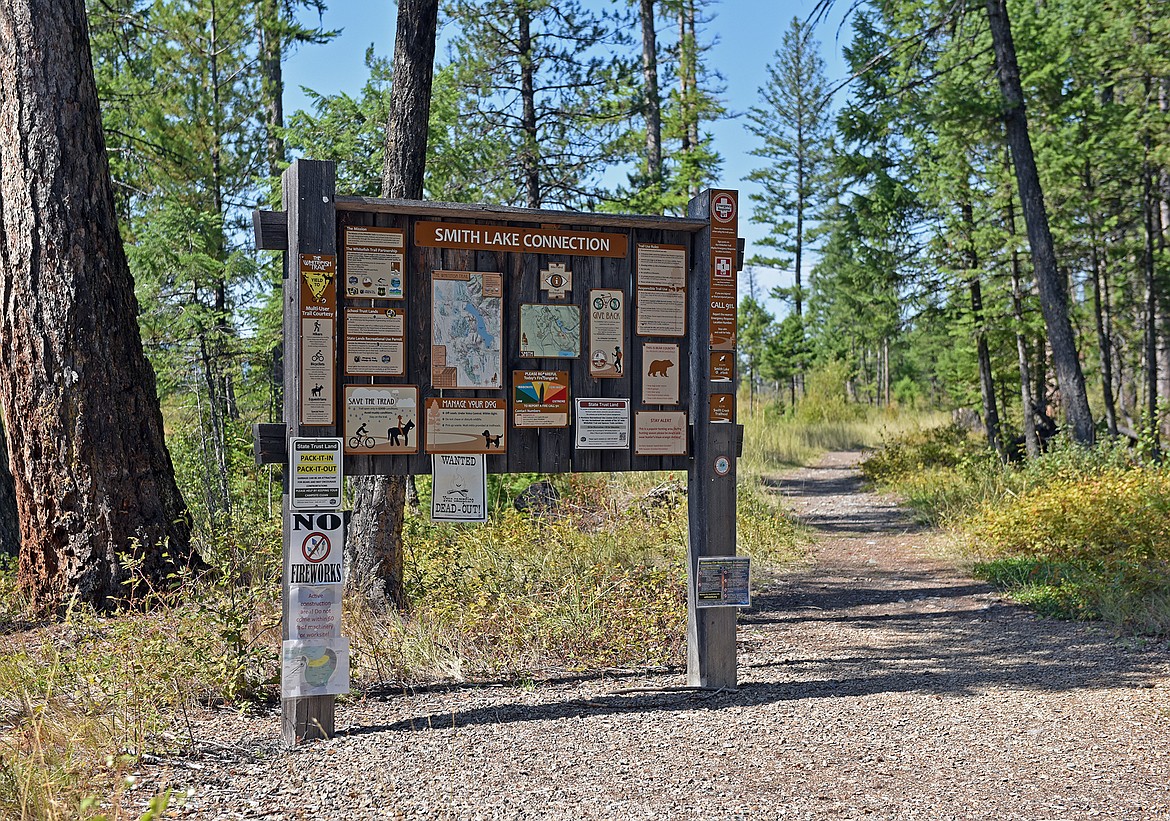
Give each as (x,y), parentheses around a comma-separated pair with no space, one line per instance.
(520,240)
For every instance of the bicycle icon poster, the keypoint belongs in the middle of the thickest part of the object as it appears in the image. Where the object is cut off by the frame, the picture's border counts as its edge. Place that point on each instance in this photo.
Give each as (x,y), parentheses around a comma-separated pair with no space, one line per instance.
(381,419)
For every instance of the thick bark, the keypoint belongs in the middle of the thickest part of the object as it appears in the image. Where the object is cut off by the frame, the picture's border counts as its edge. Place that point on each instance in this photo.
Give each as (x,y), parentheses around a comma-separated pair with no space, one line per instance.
(1051,284)
(410,99)
(100,512)
(374,547)
(9,524)
(653,102)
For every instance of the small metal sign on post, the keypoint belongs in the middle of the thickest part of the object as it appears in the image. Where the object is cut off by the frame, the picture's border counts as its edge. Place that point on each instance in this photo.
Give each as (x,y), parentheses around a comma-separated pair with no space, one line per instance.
(316,471)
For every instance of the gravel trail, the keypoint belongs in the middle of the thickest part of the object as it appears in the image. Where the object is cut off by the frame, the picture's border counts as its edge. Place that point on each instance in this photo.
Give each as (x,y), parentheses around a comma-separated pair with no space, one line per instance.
(877,681)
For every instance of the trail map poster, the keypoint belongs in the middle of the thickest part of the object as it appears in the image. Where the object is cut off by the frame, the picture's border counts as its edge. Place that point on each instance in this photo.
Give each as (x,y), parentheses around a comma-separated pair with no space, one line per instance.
(607,333)
(550,331)
(374,262)
(466,321)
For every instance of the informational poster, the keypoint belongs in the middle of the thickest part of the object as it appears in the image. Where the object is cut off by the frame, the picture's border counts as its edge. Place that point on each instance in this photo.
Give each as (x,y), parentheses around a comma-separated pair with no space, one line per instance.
(607,333)
(318,333)
(375,341)
(316,549)
(722,407)
(660,368)
(540,399)
(374,262)
(381,419)
(316,473)
(550,331)
(459,487)
(467,425)
(602,424)
(723,581)
(661,299)
(660,433)
(314,667)
(314,611)
(466,322)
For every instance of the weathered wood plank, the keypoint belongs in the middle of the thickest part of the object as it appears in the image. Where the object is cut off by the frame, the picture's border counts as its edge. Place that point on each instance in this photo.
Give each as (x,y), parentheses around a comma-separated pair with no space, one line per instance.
(710,497)
(308,202)
(270,229)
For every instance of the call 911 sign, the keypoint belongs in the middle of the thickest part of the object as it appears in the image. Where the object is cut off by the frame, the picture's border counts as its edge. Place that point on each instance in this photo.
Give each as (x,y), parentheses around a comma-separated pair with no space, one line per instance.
(316,548)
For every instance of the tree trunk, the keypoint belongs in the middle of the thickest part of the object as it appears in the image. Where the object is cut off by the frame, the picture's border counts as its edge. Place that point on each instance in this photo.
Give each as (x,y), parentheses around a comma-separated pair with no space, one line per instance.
(1150,426)
(531,151)
(1028,405)
(101,515)
(271,44)
(1051,284)
(374,547)
(986,377)
(9,524)
(652,96)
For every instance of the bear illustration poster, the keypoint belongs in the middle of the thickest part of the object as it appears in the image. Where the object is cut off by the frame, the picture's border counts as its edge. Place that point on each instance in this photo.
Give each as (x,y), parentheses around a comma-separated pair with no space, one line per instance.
(660,370)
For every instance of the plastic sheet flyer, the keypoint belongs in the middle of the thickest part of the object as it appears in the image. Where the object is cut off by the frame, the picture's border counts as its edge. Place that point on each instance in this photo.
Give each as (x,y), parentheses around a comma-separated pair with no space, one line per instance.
(724,581)
(314,611)
(459,488)
(316,667)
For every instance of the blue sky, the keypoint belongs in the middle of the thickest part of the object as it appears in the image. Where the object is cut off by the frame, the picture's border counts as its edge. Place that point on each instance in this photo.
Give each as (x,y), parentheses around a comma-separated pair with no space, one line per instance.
(748,33)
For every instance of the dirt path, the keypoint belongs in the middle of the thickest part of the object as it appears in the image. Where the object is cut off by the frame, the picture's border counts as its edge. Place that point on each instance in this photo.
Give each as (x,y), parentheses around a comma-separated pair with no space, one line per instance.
(875,682)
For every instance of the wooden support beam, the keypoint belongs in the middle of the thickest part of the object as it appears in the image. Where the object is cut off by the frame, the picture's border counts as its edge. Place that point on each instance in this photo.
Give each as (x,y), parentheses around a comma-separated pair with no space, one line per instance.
(711,661)
(270,443)
(308,201)
(270,229)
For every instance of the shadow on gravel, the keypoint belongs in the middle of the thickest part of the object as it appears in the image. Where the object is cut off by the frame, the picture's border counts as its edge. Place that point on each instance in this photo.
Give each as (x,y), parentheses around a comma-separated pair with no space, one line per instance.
(921,647)
(979,649)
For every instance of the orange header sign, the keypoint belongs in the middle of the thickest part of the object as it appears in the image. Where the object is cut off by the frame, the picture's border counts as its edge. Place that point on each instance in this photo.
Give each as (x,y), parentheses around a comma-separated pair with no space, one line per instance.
(519,240)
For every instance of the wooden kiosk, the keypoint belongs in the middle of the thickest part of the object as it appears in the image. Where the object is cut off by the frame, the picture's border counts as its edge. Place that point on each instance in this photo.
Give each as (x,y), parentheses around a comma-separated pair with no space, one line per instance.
(612,316)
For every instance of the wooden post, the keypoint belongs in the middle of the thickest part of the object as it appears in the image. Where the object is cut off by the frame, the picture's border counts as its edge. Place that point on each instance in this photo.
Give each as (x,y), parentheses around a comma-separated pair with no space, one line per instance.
(309,188)
(711,657)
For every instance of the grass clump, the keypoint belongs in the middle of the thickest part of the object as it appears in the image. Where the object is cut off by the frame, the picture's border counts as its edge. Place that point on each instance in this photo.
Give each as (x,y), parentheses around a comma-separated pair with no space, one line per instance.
(1078,533)
(600,582)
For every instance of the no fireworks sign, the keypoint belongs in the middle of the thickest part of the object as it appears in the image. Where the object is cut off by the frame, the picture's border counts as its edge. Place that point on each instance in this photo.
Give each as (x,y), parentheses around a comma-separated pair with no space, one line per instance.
(317,548)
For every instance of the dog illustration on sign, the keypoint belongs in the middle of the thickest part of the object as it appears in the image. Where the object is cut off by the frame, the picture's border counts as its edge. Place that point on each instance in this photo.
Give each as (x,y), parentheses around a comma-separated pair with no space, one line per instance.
(659,367)
(489,440)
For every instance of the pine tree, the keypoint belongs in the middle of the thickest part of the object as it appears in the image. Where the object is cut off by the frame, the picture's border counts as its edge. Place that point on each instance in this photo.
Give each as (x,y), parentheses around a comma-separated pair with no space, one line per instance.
(538,80)
(101,513)
(792,123)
